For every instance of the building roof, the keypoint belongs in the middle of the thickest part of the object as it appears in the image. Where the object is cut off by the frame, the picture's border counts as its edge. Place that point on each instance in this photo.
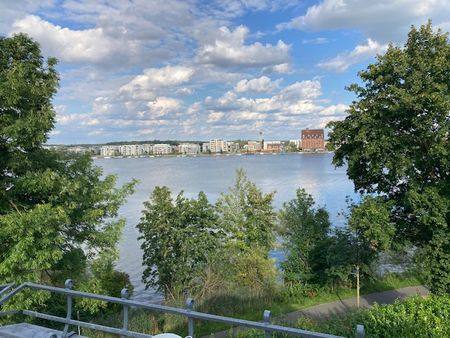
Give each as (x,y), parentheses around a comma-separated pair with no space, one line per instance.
(312,133)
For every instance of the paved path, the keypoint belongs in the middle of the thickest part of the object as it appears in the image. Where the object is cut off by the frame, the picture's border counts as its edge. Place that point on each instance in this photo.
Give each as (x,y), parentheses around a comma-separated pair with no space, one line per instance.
(342,306)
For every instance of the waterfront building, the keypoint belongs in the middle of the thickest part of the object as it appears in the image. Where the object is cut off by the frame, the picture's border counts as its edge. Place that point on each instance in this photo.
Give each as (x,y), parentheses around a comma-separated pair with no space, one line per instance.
(108,151)
(253,146)
(205,147)
(218,146)
(189,148)
(232,147)
(273,146)
(162,149)
(129,150)
(77,149)
(146,149)
(313,139)
(297,143)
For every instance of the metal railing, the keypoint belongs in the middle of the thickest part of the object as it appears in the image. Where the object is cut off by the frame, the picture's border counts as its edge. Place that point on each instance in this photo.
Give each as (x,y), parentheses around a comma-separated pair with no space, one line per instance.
(268,328)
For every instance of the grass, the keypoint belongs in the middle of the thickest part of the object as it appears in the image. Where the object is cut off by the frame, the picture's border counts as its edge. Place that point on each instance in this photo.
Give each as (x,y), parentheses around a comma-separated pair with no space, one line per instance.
(246,308)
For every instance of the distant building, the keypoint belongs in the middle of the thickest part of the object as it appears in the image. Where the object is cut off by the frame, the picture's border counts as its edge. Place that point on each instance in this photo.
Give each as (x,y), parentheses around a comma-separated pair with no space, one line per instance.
(205,147)
(313,139)
(232,147)
(162,149)
(218,146)
(146,149)
(297,143)
(189,148)
(108,151)
(129,150)
(273,146)
(253,146)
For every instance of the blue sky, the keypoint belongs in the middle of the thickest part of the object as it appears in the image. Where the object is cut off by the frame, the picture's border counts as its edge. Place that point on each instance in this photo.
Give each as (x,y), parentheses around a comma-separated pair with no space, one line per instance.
(144,70)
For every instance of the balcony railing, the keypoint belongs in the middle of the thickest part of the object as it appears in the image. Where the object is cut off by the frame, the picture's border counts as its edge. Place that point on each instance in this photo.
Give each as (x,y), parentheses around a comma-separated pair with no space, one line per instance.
(8,291)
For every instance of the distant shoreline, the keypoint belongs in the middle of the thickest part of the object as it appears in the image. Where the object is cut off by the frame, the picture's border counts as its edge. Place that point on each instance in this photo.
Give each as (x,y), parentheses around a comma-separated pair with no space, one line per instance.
(211,155)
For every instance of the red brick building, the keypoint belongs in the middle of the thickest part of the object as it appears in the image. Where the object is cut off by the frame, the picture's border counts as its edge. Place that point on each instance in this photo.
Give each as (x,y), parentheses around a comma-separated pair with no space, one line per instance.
(313,139)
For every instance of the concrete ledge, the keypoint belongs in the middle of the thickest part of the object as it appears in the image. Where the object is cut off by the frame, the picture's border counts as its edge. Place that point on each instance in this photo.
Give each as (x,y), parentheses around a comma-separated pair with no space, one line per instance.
(25,330)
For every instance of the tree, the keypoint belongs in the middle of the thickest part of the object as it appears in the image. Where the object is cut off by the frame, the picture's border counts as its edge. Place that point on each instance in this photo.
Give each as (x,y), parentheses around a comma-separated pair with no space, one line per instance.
(57,213)
(395,142)
(178,238)
(303,228)
(247,215)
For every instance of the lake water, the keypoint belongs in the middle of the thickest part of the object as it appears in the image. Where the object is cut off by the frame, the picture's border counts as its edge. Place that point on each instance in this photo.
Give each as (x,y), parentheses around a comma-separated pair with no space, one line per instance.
(283,173)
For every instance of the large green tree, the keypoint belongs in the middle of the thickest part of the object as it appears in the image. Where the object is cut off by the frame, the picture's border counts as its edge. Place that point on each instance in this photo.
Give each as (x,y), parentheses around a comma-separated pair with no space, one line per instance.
(247,218)
(57,212)
(395,142)
(178,236)
(246,214)
(304,229)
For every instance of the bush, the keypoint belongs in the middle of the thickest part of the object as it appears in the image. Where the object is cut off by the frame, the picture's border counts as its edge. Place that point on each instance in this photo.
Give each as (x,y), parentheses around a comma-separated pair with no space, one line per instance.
(414,317)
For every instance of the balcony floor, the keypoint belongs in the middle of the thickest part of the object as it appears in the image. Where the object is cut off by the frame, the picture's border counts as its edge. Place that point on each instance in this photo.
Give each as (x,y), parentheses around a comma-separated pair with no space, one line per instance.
(25,330)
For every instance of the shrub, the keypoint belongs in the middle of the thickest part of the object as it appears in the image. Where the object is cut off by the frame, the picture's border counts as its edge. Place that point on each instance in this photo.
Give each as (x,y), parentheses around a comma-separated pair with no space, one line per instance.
(413,317)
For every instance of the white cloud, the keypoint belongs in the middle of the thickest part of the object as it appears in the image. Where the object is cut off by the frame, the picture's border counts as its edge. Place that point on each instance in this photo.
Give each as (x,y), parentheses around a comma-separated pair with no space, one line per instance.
(162,106)
(13,10)
(227,48)
(247,116)
(360,53)
(382,20)
(74,46)
(262,84)
(147,85)
(334,110)
(282,68)
(184,91)
(303,90)
(214,117)
(154,78)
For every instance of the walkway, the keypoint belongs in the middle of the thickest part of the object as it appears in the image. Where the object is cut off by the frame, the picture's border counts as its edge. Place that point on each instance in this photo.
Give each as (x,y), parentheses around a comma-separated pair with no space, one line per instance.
(342,306)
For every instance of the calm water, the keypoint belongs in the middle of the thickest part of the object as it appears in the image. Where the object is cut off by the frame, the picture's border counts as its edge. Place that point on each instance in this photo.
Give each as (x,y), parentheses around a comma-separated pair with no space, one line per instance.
(282,173)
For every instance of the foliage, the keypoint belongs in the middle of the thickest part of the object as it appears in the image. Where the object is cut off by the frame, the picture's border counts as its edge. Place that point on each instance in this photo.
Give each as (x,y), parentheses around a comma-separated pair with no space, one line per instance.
(246,214)
(347,252)
(413,317)
(243,271)
(178,238)
(396,143)
(358,245)
(57,213)
(303,229)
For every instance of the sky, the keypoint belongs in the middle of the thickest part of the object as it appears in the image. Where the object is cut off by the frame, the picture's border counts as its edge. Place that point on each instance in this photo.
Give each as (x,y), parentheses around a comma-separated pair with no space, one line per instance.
(198,70)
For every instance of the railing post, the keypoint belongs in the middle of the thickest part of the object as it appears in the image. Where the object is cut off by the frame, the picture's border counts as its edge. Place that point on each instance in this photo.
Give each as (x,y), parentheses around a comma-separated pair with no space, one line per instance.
(266,319)
(189,306)
(360,331)
(124,294)
(68,284)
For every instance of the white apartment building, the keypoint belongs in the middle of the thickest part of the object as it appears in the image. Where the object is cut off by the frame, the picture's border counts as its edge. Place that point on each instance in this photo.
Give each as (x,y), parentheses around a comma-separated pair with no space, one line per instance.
(162,149)
(232,147)
(189,148)
(218,146)
(129,150)
(146,149)
(205,147)
(108,151)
